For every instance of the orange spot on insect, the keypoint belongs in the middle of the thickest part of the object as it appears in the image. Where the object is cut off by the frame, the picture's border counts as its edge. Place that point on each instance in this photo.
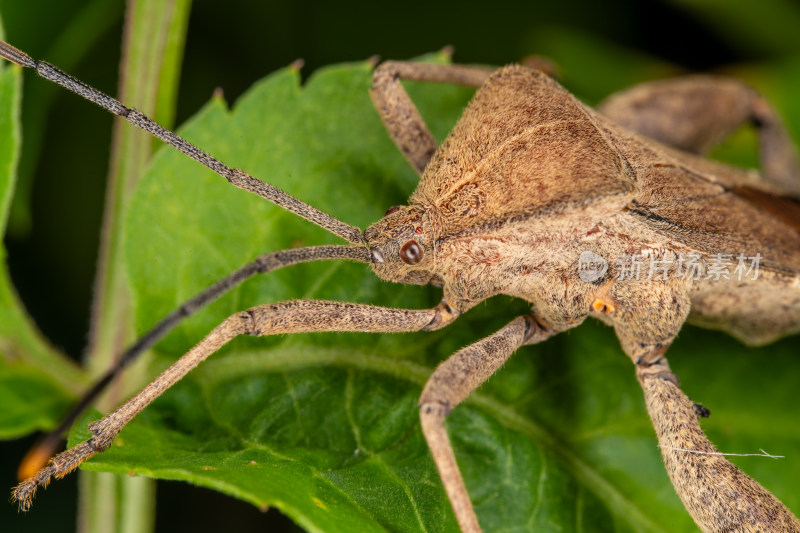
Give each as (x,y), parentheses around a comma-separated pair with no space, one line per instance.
(418,230)
(602,306)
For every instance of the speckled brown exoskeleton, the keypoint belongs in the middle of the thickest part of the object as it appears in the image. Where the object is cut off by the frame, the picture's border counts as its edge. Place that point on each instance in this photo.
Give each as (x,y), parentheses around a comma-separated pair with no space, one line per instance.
(611,213)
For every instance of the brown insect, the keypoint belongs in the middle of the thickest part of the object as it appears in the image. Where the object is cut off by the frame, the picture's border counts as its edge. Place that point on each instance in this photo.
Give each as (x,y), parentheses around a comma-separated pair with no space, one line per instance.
(536,196)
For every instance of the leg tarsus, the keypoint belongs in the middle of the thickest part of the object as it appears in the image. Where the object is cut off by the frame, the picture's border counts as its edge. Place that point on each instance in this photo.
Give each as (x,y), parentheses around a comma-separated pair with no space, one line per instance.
(58,467)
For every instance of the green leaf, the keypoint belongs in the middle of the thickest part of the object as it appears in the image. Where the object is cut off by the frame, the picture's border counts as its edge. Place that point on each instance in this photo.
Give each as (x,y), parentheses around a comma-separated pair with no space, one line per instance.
(325,426)
(36,383)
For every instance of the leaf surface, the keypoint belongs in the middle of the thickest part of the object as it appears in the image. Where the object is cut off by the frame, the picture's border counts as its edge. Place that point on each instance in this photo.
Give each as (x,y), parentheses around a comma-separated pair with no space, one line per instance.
(36,382)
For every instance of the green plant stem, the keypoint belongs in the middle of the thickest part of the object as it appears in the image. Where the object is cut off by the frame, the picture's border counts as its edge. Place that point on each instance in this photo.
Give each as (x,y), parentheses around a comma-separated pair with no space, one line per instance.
(152,47)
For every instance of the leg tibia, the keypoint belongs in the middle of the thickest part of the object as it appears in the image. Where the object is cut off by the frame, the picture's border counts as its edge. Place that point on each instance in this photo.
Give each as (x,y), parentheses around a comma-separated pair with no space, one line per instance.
(450,384)
(719,496)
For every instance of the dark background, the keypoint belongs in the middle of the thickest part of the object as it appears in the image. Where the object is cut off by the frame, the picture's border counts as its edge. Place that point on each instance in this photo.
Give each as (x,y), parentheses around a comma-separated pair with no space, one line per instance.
(52,241)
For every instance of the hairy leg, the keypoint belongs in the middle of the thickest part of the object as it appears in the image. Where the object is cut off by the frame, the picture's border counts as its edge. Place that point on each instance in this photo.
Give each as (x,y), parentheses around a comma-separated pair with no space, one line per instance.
(400,115)
(38,456)
(451,383)
(718,495)
(695,113)
(295,316)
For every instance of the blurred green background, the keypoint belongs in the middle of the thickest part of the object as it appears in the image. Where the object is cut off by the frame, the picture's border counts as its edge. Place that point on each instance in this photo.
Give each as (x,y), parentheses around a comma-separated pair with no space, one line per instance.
(598,47)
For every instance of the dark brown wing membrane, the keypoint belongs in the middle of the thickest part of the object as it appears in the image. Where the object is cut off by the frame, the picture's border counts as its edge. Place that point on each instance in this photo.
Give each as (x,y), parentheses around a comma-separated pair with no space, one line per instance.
(785,209)
(713,218)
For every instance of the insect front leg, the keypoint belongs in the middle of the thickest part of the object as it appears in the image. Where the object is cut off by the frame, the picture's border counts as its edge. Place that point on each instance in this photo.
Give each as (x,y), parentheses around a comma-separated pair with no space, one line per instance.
(451,383)
(398,112)
(44,449)
(296,316)
(695,113)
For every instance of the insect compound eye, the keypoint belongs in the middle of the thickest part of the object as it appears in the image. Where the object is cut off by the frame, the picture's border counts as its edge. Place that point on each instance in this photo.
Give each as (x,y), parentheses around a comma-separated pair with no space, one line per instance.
(393,209)
(411,253)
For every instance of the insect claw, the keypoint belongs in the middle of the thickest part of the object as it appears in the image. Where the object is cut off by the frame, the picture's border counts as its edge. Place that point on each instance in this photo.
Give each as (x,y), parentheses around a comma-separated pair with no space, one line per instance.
(701,411)
(24,492)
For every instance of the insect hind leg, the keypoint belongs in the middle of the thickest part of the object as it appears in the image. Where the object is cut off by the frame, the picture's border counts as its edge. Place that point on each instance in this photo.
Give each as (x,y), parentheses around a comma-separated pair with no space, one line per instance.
(695,113)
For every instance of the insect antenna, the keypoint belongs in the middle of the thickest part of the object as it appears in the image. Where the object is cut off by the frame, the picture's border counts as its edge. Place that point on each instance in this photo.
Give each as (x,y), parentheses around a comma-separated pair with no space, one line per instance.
(43,450)
(236,177)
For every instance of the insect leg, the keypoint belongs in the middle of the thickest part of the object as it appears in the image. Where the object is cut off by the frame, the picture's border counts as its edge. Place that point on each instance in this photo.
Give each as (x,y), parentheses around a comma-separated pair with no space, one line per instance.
(719,496)
(296,316)
(695,113)
(454,380)
(400,115)
(36,458)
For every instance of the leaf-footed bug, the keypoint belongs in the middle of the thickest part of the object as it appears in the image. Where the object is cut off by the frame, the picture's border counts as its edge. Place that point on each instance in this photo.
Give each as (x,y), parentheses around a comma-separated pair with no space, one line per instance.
(507,205)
